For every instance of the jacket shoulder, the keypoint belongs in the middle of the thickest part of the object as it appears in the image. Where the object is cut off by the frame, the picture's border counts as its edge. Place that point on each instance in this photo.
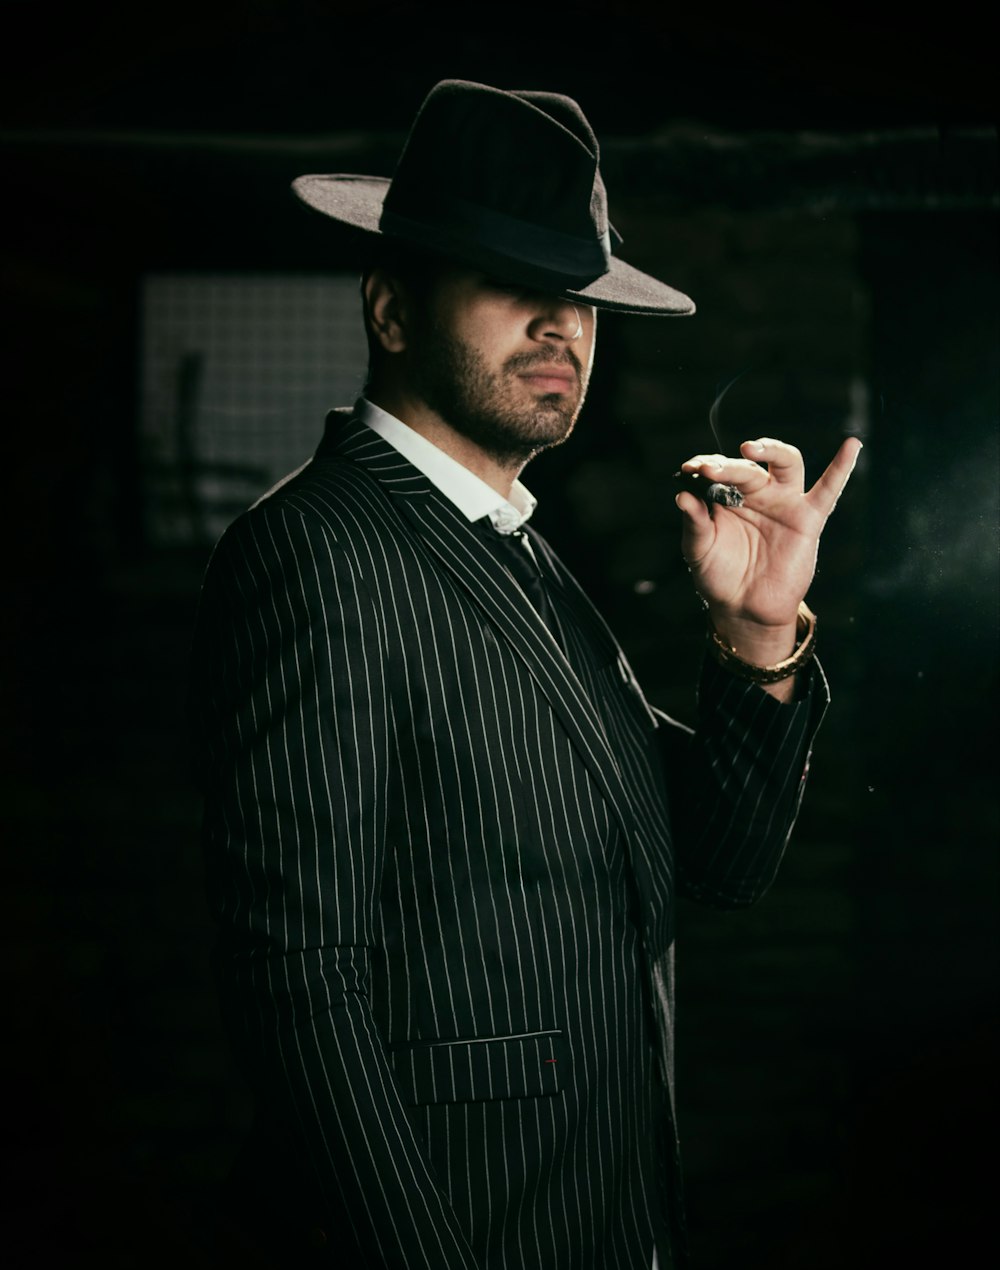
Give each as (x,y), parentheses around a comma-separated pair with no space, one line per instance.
(332,491)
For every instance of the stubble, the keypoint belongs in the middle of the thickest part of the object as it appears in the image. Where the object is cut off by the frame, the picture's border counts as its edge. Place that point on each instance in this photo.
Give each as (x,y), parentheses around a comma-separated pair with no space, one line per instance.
(496,412)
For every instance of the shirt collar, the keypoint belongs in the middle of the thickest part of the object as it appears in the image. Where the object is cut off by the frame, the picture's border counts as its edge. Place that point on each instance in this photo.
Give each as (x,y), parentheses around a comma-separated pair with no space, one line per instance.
(470,494)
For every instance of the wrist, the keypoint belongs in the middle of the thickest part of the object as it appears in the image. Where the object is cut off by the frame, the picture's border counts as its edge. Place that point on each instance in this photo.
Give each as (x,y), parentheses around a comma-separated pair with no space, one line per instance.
(757,643)
(766,656)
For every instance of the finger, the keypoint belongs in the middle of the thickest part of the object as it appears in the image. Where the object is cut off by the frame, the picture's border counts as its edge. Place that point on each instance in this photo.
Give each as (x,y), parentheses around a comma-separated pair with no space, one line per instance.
(748,477)
(697,530)
(783,461)
(702,460)
(830,486)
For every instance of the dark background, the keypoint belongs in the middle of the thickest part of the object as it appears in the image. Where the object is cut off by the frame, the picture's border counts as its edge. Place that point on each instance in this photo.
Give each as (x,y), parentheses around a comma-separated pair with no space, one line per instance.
(826,187)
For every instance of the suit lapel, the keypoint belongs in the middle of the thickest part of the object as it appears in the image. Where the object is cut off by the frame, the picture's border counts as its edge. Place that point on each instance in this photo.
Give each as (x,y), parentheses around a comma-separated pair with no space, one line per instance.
(449,537)
(557,575)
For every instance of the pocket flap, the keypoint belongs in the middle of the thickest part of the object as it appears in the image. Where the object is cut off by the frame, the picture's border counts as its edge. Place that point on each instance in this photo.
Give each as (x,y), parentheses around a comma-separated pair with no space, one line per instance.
(482,1068)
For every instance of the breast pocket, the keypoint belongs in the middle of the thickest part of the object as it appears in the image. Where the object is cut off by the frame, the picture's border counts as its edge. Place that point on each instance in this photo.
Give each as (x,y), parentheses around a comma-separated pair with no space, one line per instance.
(481,1069)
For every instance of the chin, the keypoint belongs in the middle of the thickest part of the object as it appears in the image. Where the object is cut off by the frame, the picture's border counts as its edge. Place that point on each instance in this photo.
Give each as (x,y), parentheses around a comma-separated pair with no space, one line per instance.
(553,431)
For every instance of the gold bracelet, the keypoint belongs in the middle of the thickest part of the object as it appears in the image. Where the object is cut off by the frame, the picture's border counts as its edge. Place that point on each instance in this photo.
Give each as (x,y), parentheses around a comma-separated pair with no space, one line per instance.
(805,648)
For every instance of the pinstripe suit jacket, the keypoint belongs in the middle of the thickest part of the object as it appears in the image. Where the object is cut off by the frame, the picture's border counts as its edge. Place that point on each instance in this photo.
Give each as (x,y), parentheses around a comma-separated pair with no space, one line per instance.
(443,854)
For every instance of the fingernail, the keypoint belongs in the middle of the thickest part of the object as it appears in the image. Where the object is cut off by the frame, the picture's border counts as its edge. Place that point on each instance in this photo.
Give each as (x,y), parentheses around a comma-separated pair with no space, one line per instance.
(757,447)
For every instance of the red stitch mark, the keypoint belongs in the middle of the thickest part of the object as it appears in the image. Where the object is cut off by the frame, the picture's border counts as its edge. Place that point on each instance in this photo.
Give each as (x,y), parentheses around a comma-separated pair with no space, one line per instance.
(550,1060)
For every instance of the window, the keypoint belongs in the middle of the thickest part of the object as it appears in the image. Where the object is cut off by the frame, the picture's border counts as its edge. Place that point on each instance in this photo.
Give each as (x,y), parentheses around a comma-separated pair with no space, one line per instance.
(237,374)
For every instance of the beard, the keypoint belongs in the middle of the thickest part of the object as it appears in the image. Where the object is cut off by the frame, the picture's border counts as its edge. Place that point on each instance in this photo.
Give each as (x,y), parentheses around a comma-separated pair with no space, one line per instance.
(496,411)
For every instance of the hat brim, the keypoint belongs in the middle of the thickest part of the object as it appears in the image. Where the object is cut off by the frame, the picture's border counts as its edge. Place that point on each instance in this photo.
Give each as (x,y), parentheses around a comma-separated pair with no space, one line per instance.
(357,201)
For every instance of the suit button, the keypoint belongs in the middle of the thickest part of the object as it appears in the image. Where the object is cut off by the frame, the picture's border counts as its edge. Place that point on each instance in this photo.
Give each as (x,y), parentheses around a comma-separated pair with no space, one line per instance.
(316,1237)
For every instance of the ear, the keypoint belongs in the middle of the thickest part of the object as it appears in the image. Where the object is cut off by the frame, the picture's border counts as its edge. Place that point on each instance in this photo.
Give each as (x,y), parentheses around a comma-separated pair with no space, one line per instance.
(386,310)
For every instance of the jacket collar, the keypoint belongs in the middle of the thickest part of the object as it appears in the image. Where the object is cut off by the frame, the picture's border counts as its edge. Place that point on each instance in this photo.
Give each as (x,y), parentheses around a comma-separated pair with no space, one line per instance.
(470,494)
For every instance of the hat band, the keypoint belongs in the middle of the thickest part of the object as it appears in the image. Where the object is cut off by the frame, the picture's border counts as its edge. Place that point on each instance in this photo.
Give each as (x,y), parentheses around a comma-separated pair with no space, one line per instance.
(579,260)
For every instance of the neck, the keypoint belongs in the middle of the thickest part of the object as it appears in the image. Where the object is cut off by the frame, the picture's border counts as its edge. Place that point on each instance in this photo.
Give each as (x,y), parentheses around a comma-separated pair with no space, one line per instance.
(416,414)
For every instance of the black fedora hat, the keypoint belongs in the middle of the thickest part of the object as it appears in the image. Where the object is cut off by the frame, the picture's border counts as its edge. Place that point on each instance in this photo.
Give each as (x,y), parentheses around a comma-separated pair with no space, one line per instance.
(507,182)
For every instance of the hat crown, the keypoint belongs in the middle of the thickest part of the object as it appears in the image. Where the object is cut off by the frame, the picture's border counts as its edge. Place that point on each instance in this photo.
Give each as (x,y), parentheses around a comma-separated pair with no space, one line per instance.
(507,166)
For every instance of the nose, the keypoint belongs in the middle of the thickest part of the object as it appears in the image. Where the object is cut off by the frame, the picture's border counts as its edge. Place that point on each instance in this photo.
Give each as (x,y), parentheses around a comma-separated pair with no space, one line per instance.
(556,321)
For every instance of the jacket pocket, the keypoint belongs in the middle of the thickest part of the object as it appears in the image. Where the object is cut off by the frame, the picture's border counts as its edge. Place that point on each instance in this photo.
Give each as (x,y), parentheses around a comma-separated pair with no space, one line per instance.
(525,1065)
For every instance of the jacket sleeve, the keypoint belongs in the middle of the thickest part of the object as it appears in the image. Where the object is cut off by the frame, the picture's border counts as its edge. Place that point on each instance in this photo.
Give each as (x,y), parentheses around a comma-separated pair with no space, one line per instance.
(736,783)
(292,732)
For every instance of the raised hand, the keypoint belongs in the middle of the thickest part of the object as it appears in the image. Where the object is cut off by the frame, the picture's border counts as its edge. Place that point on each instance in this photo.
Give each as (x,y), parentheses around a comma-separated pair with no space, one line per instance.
(753,564)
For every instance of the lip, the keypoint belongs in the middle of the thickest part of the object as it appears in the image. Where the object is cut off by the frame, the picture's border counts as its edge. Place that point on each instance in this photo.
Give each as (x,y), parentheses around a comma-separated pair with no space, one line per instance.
(550,378)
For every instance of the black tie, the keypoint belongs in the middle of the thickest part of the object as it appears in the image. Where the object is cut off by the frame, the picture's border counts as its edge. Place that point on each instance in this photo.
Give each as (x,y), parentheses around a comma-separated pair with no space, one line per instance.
(515,551)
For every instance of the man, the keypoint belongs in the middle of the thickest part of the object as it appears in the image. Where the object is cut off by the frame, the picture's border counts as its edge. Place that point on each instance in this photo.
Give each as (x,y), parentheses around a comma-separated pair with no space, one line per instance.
(445,832)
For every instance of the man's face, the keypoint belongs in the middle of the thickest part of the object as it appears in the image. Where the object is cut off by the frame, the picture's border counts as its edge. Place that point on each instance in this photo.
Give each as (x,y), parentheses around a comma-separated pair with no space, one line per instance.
(504,366)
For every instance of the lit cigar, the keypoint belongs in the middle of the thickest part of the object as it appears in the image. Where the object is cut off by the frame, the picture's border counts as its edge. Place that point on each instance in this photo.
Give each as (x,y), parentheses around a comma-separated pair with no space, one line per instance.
(710,491)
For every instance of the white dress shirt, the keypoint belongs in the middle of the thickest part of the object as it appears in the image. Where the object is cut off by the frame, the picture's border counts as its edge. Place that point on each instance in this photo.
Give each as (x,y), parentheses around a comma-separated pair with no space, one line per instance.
(470,494)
